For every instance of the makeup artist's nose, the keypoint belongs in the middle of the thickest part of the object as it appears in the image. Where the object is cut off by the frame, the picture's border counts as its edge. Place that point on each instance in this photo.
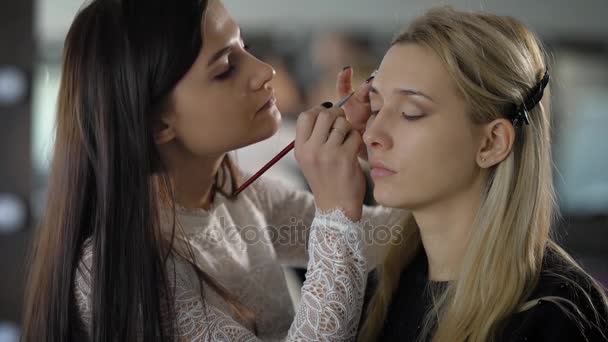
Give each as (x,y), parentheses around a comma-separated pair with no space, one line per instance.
(263,75)
(376,135)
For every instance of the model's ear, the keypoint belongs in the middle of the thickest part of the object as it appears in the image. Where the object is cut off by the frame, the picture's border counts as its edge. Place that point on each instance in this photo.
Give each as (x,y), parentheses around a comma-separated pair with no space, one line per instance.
(496,143)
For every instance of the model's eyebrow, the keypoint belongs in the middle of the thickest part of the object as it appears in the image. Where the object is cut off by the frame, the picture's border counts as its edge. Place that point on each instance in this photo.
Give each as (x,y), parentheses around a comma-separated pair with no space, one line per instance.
(407,92)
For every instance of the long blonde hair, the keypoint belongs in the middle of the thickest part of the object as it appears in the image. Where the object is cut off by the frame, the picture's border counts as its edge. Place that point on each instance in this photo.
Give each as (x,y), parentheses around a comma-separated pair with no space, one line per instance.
(495,62)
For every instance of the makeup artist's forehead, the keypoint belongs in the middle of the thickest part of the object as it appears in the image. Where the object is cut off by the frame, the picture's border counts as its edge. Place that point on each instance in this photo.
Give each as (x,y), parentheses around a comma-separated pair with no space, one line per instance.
(218,26)
(412,66)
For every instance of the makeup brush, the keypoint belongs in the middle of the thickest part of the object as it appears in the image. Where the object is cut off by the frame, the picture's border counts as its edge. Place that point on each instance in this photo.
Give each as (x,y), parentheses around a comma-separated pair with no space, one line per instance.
(282,154)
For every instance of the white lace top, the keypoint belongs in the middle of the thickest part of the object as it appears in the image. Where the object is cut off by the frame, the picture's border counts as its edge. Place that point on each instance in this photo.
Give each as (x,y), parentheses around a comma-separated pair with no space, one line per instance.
(242,244)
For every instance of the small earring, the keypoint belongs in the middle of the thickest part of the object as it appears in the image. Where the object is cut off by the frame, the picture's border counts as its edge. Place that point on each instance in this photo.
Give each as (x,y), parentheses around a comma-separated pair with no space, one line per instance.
(483,159)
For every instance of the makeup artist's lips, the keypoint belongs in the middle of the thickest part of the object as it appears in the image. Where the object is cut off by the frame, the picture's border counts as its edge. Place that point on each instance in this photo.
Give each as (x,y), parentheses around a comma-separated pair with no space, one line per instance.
(269,104)
(379,169)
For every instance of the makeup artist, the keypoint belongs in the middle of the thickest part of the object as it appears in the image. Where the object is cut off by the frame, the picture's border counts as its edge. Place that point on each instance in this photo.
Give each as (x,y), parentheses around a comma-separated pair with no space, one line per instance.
(143,238)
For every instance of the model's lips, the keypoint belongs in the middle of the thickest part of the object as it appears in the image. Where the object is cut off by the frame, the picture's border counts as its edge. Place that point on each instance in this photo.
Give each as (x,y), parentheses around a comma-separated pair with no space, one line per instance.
(270,102)
(379,169)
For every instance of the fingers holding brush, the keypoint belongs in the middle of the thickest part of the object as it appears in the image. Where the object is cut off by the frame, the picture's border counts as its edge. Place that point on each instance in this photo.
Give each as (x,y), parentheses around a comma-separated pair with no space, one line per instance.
(315,123)
(326,150)
(339,131)
(304,130)
(324,125)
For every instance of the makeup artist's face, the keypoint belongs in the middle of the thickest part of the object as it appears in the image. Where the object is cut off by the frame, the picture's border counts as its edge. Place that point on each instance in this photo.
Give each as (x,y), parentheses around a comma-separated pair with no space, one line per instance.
(422,132)
(225,101)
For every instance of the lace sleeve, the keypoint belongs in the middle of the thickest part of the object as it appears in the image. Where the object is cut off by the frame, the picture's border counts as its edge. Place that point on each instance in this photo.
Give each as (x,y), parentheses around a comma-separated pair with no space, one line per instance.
(290,213)
(332,294)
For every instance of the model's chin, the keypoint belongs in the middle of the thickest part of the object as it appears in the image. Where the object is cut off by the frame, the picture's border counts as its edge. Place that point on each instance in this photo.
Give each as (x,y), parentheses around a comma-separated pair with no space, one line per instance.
(388,195)
(382,197)
(396,197)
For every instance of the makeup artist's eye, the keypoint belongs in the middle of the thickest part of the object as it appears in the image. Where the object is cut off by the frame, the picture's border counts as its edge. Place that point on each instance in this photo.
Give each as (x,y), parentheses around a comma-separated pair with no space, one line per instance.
(226,74)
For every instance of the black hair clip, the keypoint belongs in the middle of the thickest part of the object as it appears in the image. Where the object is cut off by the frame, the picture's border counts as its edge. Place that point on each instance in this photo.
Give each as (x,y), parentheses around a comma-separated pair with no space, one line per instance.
(521,114)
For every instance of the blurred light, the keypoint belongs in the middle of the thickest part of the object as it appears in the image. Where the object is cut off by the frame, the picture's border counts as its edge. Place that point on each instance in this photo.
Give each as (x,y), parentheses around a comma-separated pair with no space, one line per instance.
(13,214)
(13,85)
(9,332)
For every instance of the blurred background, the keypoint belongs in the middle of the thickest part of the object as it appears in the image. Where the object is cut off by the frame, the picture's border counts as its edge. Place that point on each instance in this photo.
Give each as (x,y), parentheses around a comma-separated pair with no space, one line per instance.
(308,42)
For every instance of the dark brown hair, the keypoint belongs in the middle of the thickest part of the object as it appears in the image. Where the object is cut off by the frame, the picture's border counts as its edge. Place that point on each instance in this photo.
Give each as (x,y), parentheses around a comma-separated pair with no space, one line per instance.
(121,61)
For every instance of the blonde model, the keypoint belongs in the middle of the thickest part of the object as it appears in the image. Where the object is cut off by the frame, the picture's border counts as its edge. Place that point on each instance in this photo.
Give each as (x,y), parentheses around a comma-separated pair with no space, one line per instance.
(461,136)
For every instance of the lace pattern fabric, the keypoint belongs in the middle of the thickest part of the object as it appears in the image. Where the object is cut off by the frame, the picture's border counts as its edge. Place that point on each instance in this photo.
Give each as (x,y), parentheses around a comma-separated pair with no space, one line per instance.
(290,213)
(243,244)
(331,296)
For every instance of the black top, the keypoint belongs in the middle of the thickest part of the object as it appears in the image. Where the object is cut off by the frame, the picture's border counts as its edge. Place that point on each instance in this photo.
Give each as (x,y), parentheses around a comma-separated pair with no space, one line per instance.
(543,322)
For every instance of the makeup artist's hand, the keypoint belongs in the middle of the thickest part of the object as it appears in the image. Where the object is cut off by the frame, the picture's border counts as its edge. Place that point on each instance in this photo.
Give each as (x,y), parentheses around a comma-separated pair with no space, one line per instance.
(357,109)
(326,148)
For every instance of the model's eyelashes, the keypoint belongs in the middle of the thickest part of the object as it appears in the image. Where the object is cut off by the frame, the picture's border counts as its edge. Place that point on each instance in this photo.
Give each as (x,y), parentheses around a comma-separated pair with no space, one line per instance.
(406,115)
(412,117)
